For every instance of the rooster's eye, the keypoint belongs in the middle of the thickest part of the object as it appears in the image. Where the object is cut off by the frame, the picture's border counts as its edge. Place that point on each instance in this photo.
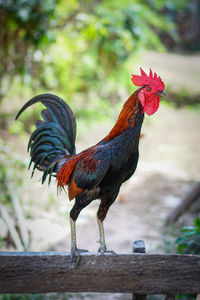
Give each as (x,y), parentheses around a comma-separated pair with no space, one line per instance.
(148,89)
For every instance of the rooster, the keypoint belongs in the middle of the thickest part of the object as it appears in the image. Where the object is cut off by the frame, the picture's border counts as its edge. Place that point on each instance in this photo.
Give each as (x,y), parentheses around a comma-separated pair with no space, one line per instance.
(99,171)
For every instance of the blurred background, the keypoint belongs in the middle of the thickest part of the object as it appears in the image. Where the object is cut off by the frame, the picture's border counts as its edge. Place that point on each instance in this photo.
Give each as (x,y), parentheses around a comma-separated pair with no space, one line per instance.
(85,52)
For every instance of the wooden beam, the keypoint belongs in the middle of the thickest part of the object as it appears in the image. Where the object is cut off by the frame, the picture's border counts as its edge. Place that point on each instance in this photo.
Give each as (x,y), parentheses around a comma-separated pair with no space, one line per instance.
(42,272)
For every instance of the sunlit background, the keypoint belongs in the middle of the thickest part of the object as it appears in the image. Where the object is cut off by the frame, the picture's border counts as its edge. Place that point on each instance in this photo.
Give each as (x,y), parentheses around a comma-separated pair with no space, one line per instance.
(85,52)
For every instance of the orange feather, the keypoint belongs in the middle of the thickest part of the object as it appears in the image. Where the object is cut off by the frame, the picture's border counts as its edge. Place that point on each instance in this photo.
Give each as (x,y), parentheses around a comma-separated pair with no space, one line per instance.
(125,119)
(73,190)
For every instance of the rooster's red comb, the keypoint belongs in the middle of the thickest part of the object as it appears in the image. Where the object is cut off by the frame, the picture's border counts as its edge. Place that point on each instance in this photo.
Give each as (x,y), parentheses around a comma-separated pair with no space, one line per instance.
(152,80)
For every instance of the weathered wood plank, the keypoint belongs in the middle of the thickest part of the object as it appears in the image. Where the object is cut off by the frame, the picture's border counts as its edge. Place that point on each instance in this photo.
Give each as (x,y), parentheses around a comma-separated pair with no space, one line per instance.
(41,272)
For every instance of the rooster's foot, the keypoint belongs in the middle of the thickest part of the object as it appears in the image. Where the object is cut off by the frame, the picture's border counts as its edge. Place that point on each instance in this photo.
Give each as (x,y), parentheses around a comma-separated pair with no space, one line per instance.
(104,250)
(75,255)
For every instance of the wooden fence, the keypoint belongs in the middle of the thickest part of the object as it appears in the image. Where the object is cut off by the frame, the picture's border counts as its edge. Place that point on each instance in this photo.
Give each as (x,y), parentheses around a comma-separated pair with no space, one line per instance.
(140,274)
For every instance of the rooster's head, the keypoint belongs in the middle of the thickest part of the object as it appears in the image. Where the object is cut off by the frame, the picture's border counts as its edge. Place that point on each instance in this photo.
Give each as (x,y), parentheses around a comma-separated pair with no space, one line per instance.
(152,89)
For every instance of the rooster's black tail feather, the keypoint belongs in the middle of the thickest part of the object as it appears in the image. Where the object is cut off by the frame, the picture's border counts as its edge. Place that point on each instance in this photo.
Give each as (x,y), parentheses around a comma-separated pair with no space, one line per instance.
(54,136)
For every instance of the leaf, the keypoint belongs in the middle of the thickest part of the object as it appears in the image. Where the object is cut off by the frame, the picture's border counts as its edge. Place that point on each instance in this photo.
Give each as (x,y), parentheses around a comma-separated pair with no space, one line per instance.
(181,247)
(197,223)
(180,239)
(189,233)
(187,228)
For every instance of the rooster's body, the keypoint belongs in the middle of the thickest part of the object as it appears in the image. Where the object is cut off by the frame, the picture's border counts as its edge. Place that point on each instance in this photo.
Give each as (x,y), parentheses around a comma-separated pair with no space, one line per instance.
(99,171)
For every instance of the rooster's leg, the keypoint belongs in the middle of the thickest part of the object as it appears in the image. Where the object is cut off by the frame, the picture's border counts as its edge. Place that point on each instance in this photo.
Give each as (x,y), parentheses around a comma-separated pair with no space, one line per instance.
(75,252)
(102,241)
(101,214)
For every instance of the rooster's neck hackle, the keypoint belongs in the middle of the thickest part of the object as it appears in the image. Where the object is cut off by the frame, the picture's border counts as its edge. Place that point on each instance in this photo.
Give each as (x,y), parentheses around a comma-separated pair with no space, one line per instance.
(127,116)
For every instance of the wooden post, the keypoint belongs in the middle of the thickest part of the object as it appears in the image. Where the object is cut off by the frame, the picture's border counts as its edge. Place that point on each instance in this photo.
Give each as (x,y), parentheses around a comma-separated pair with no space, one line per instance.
(139,247)
(139,297)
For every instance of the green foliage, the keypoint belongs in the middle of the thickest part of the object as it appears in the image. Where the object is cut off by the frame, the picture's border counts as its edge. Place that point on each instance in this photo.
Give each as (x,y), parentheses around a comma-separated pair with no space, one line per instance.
(78,49)
(90,51)
(24,27)
(30,17)
(186,297)
(91,39)
(189,241)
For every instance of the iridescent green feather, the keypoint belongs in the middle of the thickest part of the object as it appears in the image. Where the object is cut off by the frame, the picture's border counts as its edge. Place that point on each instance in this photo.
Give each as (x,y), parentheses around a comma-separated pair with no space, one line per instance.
(54,137)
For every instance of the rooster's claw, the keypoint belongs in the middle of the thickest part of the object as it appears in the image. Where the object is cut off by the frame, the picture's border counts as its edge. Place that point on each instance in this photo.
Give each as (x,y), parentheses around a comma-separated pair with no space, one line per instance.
(103,250)
(75,253)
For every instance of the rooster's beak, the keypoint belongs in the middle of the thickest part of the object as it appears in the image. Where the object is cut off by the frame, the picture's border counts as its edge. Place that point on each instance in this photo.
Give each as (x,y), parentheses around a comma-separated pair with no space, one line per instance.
(161,94)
